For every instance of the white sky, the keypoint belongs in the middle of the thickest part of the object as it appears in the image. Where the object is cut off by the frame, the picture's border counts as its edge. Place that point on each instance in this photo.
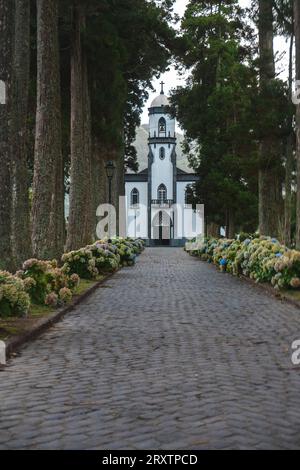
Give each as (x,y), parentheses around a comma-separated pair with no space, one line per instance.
(172,79)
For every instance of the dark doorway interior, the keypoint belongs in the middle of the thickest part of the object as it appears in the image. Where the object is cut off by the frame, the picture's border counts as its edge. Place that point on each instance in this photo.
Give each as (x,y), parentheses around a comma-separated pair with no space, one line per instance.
(162,224)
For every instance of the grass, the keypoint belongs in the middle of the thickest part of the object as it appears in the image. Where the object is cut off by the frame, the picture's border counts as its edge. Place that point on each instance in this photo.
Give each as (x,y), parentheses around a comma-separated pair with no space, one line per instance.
(291,294)
(14,326)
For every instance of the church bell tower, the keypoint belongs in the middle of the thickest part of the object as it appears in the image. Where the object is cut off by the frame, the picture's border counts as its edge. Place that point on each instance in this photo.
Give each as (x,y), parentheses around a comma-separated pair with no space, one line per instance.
(161,164)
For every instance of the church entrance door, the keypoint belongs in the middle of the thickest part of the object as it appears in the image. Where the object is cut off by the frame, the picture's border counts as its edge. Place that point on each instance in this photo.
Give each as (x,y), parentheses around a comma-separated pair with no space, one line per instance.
(162,224)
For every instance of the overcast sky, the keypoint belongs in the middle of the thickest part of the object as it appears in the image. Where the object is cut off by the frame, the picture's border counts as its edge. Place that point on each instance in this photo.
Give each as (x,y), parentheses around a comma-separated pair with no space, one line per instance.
(172,79)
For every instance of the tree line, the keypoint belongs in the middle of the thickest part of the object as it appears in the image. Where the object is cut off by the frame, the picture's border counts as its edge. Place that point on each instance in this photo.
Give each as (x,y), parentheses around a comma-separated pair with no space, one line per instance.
(242,128)
(75,76)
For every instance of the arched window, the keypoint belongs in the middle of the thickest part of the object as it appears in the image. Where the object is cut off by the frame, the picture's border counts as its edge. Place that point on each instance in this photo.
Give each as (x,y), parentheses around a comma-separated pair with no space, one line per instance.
(162,126)
(162,153)
(134,197)
(188,197)
(162,194)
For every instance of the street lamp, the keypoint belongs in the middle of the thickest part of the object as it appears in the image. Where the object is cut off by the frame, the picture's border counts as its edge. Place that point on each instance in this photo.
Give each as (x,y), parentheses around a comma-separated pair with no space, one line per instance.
(110,170)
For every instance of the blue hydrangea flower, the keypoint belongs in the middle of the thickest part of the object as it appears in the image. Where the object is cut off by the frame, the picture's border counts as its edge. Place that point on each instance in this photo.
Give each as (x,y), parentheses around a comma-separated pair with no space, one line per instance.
(278,255)
(223,262)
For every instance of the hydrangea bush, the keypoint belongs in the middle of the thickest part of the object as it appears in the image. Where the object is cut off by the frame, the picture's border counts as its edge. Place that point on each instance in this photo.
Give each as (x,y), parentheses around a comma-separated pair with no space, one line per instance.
(14,300)
(263,259)
(46,283)
(127,249)
(102,257)
(91,261)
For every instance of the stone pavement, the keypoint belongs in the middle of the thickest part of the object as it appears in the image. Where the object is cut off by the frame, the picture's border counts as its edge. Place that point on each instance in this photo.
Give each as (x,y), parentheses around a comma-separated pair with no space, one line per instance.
(170,354)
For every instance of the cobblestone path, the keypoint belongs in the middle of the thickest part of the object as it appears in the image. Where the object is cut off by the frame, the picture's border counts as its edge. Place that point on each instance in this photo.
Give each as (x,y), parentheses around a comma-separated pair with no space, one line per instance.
(170,354)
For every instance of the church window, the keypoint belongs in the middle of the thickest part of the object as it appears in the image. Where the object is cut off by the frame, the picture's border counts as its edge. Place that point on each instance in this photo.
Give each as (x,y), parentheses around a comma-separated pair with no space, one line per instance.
(162,194)
(162,153)
(162,126)
(135,197)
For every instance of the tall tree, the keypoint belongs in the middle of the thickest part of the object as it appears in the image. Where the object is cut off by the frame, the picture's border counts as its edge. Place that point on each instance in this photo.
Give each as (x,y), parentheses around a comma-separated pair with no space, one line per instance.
(20,209)
(48,154)
(135,44)
(289,165)
(6,48)
(215,109)
(270,197)
(79,224)
(297,42)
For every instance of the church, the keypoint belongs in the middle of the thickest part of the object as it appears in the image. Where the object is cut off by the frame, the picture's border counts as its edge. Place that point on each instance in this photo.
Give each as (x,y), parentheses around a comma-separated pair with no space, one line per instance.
(159,192)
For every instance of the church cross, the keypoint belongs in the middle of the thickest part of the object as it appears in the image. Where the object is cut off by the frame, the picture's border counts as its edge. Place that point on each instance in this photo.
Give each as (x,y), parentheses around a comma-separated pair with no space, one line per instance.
(162,88)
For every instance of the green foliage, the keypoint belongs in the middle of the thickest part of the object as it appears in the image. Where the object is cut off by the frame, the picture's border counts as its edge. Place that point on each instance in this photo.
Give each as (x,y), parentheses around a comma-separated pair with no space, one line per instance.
(216,109)
(127,43)
(226,112)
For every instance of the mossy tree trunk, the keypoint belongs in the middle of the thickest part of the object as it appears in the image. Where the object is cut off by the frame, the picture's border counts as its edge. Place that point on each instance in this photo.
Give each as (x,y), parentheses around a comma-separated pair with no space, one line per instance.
(270,197)
(6,48)
(289,159)
(21,63)
(48,153)
(297,43)
(79,224)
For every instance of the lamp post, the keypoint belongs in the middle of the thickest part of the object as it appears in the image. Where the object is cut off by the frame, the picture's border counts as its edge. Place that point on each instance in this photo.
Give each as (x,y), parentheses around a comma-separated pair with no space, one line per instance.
(110,170)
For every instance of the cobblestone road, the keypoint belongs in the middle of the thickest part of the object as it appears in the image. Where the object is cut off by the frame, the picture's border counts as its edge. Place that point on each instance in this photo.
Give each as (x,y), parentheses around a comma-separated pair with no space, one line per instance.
(170,354)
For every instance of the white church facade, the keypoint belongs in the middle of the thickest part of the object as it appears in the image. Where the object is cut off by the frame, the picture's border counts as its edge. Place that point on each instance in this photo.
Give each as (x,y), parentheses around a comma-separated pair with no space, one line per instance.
(153,194)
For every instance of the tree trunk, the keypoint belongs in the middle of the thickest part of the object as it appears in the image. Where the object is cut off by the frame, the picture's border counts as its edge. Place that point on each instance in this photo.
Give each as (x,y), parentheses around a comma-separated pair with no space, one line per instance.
(297,42)
(289,160)
(231,223)
(20,210)
(269,185)
(48,152)
(89,233)
(6,47)
(270,201)
(212,230)
(58,208)
(119,187)
(79,231)
(98,180)
(102,153)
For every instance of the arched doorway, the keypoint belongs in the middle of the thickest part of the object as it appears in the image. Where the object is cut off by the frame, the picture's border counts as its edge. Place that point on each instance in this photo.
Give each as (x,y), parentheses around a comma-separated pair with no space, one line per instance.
(162,226)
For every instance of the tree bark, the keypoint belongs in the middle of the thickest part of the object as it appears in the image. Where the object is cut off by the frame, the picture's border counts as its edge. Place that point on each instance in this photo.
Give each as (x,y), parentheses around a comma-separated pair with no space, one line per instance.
(20,209)
(289,160)
(89,232)
(102,153)
(269,184)
(79,231)
(297,43)
(6,48)
(231,223)
(48,151)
